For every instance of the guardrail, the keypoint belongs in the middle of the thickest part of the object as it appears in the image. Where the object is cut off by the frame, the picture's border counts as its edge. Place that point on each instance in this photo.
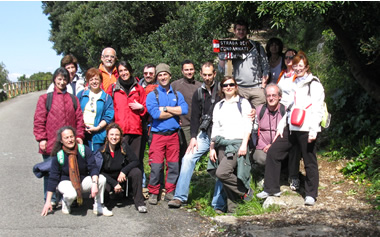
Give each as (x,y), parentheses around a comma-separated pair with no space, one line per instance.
(19,88)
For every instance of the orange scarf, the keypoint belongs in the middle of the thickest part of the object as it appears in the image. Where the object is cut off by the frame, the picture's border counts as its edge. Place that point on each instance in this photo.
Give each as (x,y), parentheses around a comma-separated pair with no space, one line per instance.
(74,172)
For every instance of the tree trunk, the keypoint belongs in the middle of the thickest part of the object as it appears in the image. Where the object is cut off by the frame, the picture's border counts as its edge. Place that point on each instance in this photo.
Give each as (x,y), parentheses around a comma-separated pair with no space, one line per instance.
(365,78)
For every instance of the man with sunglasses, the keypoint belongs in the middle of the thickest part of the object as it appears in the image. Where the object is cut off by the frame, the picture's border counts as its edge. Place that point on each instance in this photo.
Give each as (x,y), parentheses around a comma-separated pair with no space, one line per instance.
(149,76)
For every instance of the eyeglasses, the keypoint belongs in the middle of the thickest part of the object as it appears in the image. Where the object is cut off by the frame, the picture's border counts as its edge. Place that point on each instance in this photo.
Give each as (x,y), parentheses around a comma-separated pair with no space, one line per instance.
(228,84)
(109,56)
(289,57)
(148,73)
(273,95)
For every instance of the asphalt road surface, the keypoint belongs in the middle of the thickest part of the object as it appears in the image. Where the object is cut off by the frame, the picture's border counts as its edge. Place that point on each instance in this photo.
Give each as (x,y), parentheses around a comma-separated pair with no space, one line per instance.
(21,193)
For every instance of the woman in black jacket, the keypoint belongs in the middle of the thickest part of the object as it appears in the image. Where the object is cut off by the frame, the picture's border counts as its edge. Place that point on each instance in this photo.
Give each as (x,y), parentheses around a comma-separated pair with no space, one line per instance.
(119,163)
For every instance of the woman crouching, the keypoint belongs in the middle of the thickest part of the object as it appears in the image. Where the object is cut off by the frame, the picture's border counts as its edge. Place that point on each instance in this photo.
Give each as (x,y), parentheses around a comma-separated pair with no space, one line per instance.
(231,130)
(119,163)
(73,171)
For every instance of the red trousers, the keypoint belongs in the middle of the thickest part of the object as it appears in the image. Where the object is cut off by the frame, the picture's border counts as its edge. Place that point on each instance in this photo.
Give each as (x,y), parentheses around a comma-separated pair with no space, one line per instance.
(164,146)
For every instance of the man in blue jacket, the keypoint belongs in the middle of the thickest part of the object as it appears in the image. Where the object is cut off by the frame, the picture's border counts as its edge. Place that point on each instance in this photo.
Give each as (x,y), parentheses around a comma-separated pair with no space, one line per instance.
(164,105)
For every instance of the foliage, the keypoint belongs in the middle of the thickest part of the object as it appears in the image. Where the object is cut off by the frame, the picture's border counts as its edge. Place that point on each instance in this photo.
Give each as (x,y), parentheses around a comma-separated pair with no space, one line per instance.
(41,76)
(85,28)
(366,166)
(22,78)
(354,25)
(3,75)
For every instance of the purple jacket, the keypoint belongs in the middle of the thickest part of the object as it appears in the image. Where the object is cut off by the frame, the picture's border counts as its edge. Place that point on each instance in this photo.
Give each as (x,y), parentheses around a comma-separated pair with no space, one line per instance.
(267,127)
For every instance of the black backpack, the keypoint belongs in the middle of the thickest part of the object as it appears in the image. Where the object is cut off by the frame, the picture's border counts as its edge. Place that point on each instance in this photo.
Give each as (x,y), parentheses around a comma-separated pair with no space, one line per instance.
(49,101)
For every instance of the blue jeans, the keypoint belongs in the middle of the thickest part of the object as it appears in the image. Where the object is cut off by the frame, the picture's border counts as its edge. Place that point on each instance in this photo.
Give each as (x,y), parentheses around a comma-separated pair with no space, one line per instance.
(187,169)
(46,179)
(220,197)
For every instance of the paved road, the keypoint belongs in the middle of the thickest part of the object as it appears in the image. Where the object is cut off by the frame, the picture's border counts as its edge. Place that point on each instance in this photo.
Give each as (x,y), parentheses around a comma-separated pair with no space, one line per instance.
(21,193)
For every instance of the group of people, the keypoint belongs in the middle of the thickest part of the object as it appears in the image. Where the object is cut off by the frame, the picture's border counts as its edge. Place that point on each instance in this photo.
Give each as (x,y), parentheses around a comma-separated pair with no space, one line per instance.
(94,132)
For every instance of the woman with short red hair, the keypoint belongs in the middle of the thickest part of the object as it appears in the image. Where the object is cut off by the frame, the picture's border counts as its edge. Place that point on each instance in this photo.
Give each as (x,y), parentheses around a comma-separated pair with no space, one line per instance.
(97,107)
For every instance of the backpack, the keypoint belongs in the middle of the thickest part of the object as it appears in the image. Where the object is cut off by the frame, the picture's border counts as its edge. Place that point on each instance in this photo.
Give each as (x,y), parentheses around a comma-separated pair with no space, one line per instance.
(262,111)
(49,101)
(261,114)
(238,104)
(325,123)
(61,154)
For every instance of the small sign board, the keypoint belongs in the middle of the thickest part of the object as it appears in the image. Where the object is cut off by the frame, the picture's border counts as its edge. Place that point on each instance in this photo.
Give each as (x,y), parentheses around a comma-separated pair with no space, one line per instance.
(240,46)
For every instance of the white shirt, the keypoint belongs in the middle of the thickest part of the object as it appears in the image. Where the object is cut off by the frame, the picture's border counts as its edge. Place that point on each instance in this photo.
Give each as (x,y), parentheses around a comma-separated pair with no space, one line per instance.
(89,112)
(228,122)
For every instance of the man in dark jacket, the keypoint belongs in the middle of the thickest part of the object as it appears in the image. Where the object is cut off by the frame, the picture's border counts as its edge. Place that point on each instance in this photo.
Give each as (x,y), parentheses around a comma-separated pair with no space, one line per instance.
(201,119)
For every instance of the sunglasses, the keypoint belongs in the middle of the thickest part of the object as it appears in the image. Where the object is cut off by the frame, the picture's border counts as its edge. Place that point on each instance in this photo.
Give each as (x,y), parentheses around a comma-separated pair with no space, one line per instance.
(148,73)
(289,57)
(228,84)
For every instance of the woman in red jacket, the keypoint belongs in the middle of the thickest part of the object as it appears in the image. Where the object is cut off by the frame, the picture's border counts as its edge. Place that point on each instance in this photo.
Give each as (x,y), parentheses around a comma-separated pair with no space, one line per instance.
(129,105)
(54,111)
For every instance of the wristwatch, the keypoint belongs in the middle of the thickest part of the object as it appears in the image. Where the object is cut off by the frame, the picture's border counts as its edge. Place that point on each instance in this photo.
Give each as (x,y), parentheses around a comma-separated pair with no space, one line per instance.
(165,109)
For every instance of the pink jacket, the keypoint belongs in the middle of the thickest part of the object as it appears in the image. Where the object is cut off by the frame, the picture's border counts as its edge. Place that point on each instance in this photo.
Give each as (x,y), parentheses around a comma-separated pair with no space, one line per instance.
(61,114)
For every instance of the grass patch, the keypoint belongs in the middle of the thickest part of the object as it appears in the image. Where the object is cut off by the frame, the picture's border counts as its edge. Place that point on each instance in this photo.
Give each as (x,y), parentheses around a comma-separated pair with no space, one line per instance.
(202,189)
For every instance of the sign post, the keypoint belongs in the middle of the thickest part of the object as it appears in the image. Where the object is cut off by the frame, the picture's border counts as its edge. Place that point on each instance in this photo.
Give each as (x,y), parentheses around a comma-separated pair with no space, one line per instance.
(232,49)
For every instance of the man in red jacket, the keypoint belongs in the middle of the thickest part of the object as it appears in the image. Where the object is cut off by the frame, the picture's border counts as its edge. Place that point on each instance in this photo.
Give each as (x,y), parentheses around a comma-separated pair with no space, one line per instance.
(64,110)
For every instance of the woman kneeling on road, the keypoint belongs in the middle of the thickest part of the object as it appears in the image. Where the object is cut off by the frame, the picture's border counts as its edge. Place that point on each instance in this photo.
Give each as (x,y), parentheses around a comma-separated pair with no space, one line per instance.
(74,171)
(119,163)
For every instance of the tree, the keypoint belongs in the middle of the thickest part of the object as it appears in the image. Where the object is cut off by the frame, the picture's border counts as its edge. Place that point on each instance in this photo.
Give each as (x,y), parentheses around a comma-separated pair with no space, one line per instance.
(22,78)
(355,25)
(85,28)
(41,76)
(3,75)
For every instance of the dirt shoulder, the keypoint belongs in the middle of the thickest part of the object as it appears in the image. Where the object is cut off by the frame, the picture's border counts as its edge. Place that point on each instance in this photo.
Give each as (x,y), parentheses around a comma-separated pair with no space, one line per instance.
(342,209)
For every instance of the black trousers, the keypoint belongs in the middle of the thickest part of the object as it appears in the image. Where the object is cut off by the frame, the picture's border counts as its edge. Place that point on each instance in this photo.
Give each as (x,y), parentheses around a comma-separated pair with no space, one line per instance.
(280,150)
(135,180)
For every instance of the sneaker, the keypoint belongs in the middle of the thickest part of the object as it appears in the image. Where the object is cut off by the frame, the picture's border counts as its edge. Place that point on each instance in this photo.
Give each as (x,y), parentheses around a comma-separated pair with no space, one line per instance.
(169,196)
(264,195)
(309,201)
(153,199)
(248,196)
(142,209)
(65,207)
(176,203)
(294,184)
(99,209)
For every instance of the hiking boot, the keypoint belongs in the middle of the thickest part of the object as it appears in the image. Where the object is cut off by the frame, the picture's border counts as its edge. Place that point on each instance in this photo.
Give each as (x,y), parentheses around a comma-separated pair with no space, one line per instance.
(294,184)
(219,212)
(169,196)
(153,199)
(309,201)
(264,195)
(65,207)
(99,209)
(248,196)
(142,209)
(176,203)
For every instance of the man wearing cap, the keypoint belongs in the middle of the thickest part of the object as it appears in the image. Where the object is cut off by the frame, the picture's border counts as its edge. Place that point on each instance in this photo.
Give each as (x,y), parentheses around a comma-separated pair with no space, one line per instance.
(165,106)
(108,68)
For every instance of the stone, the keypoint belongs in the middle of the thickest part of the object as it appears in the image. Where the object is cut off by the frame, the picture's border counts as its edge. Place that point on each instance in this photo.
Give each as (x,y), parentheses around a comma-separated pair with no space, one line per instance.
(285,201)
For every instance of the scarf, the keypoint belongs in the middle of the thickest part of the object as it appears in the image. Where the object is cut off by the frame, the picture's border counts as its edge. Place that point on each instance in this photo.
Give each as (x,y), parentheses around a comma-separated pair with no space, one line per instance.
(74,172)
(126,84)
